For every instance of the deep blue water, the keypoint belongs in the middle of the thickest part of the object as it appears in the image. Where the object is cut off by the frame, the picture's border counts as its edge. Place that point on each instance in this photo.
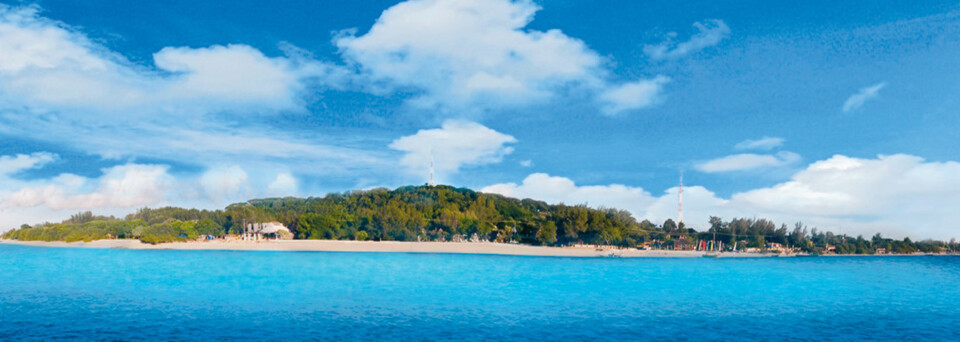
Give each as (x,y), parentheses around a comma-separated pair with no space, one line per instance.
(103,294)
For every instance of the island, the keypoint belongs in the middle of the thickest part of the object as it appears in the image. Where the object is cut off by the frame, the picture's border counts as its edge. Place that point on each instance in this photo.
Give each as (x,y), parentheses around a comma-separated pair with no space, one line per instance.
(445,219)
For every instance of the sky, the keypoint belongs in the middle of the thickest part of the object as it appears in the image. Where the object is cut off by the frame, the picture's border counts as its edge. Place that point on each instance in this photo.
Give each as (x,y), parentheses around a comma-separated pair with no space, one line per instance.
(839,115)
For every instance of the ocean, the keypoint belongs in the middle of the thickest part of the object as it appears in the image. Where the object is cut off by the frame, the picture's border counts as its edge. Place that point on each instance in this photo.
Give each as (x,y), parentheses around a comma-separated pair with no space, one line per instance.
(107,294)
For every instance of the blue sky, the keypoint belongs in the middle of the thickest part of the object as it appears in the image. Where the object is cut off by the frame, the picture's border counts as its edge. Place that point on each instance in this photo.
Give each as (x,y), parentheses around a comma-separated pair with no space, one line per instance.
(839,115)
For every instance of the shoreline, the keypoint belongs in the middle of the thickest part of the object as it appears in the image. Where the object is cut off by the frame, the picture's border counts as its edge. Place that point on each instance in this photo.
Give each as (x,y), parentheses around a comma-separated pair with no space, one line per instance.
(483,248)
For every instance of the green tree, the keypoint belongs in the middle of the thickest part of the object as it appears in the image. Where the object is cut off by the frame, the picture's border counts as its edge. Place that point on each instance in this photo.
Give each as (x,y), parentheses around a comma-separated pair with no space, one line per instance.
(547,233)
(669,226)
(207,226)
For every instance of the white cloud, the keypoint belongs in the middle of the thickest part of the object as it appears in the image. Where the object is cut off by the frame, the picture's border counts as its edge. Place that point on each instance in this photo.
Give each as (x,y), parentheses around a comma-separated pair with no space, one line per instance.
(193,104)
(526,163)
(469,53)
(225,184)
(898,195)
(763,144)
(843,185)
(20,162)
(47,65)
(544,187)
(198,104)
(460,50)
(865,94)
(709,33)
(235,74)
(124,186)
(632,95)
(454,145)
(283,185)
(33,43)
(748,161)
(699,203)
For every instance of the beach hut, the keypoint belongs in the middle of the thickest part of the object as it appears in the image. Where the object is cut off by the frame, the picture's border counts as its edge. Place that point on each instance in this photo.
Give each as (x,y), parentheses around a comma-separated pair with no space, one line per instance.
(267,231)
(276,231)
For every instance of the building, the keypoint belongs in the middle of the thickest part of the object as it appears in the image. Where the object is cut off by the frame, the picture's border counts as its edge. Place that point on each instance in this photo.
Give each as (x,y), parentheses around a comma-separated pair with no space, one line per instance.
(266,231)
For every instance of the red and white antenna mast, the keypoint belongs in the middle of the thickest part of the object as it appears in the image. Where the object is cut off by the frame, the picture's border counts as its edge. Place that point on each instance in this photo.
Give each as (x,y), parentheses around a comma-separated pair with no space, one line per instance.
(680,201)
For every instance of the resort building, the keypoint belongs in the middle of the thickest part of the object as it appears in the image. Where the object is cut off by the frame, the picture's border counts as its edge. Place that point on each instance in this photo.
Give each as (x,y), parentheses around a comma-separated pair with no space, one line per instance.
(266,231)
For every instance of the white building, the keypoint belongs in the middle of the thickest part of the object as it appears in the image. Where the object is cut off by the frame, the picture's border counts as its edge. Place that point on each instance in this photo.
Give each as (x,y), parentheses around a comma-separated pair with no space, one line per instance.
(266,231)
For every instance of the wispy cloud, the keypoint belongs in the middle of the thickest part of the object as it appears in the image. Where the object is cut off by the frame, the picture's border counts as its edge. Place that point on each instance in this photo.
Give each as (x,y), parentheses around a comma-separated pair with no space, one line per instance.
(709,33)
(48,65)
(12,164)
(632,95)
(748,161)
(865,94)
(763,144)
(192,104)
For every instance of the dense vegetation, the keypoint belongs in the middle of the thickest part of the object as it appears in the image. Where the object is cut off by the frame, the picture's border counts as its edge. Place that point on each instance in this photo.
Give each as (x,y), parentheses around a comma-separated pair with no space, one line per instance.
(87,227)
(443,213)
(760,232)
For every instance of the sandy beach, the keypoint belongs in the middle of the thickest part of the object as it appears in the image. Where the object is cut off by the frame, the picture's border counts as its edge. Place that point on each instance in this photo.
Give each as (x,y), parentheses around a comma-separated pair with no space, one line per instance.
(381,246)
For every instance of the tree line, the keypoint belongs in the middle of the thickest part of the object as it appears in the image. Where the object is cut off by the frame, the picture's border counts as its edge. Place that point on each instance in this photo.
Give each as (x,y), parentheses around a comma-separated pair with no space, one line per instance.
(444,213)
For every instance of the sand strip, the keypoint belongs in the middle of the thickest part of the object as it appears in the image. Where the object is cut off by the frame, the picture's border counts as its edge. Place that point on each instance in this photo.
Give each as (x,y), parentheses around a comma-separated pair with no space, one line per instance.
(382,246)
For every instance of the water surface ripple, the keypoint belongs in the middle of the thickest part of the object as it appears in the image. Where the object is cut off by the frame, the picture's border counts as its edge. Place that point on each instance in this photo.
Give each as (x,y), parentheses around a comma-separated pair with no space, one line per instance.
(104,294)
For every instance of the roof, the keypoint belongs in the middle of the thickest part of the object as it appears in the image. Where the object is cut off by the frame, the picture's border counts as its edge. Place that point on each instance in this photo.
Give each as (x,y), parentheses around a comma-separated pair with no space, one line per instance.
(273,227)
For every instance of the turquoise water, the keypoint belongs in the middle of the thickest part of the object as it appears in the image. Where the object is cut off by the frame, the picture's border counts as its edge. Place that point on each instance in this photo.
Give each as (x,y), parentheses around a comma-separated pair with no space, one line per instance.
(102,294)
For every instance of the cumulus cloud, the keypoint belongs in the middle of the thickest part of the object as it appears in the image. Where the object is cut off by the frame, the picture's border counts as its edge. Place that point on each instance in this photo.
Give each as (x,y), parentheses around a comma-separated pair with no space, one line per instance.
(865,94)
(699,203)
(454,145)
(470,53)
(748,161)
(854,186)
(459,50)
(225,183)
(123,186)
(763,144)
(552,189)
(898,195)
(709,33)
(283,185)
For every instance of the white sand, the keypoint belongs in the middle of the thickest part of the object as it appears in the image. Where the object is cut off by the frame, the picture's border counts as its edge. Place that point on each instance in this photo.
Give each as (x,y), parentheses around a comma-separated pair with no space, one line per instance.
(382,246)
